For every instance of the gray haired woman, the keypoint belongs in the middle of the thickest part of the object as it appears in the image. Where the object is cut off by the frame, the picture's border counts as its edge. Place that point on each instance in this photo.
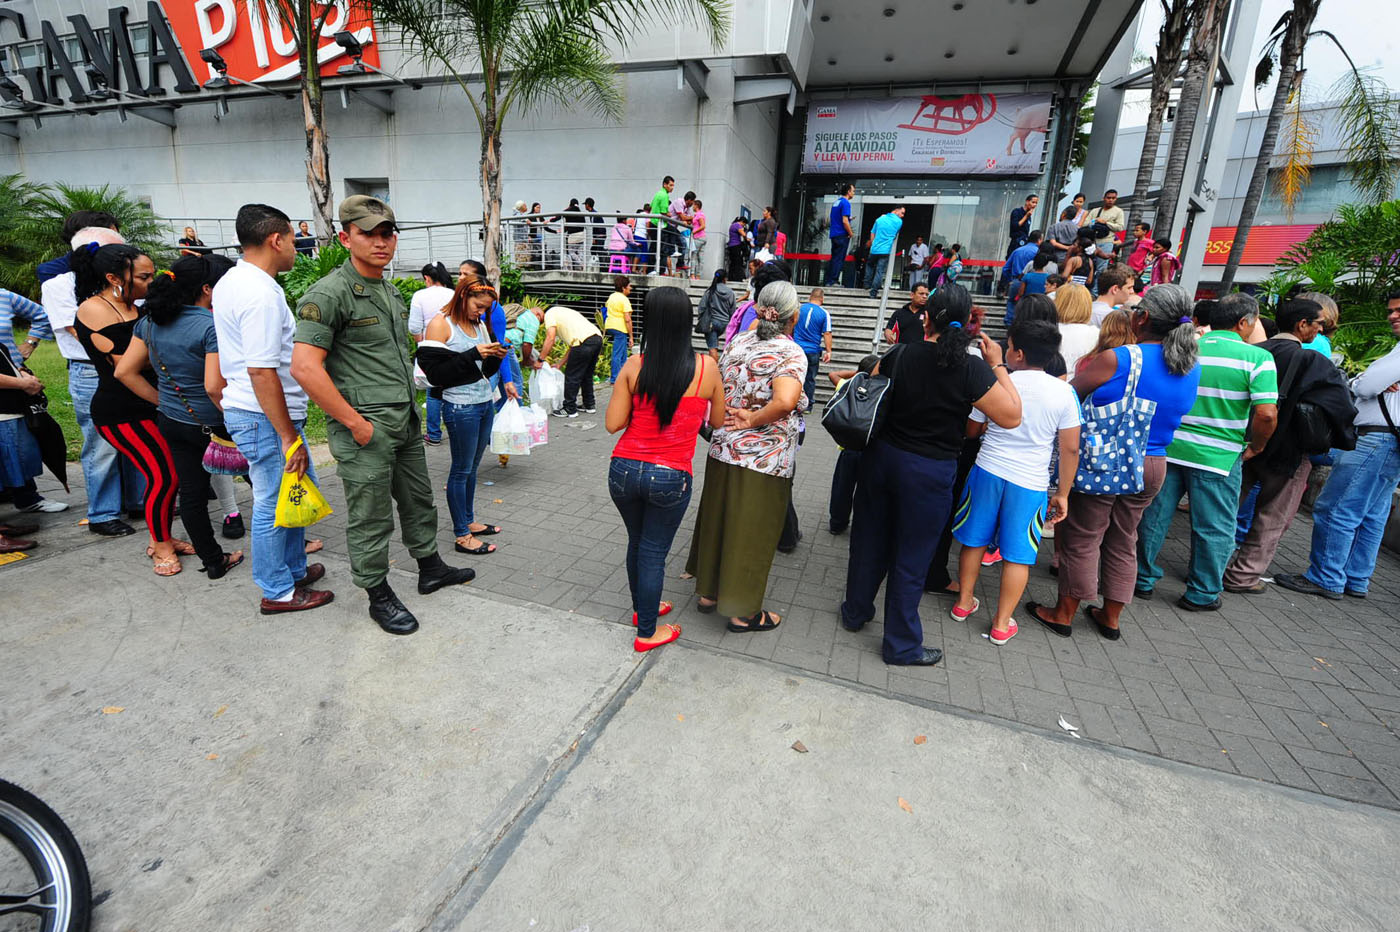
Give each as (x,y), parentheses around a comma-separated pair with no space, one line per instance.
(1097,541)
(748,474)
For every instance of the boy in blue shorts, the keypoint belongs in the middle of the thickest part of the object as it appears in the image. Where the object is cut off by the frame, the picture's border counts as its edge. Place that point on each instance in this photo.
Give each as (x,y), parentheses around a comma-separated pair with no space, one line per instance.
(1004,499)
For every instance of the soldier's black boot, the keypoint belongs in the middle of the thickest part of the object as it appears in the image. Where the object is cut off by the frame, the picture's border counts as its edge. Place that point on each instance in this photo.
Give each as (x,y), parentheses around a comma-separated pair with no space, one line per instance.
(391,614)
(433,574)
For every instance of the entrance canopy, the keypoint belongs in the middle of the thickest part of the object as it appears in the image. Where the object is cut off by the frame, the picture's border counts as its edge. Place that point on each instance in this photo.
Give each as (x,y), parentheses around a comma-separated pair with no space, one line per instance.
(943,41)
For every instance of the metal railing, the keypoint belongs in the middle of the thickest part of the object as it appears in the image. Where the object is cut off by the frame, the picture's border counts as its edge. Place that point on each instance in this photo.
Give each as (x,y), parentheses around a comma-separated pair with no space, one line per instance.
(608,243)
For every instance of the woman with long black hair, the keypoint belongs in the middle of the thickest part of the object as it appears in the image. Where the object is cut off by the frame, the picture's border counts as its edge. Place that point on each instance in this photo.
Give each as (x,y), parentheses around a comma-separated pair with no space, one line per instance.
(660,398)
(424,306)
(905,490)
(716,307)
(108,281)
(176,338)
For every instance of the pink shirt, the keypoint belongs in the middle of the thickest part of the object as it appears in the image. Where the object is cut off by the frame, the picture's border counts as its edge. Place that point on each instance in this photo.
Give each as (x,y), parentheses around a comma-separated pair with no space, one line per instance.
(697,225)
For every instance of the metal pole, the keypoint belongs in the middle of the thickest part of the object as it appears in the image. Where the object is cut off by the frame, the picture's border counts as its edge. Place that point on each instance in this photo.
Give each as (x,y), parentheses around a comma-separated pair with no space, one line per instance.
(656,234)
(884,298)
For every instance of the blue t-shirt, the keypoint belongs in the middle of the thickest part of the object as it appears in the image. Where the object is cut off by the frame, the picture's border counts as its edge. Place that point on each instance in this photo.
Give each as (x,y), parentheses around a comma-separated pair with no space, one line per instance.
(1020,259)
(842,208)
(510,366)
(1034,283)
(812,322)
(181,346)
(883,235)
(1174,394)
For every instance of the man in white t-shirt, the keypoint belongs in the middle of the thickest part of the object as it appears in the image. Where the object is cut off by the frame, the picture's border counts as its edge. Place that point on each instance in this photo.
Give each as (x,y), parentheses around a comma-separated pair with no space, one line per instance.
(1115,290)
(264,407)
(1004,499)
(918,262)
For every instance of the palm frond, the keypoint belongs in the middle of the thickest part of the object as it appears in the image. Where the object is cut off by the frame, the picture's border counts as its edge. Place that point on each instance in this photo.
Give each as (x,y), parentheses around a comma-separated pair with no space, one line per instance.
(567,71)
(1371,122)
(1299,137)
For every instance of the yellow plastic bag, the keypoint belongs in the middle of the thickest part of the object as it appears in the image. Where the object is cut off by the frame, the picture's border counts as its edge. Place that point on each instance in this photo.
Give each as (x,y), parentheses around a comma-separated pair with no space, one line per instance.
(299,503)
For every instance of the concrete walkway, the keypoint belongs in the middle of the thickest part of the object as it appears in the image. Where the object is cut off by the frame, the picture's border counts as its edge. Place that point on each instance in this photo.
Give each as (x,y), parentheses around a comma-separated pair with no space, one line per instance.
(516,765)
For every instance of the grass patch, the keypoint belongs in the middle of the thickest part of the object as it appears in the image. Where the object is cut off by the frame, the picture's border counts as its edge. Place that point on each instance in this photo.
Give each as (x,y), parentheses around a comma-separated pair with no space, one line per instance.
(52,369)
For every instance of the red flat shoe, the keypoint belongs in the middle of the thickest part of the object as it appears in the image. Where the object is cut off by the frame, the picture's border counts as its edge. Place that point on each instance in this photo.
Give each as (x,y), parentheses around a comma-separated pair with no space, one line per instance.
(642,647)
(663,610)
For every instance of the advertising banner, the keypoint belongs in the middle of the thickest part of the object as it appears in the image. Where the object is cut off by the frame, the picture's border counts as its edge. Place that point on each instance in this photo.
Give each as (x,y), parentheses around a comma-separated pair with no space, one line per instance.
(256,44)
(1266,244)
(977,134)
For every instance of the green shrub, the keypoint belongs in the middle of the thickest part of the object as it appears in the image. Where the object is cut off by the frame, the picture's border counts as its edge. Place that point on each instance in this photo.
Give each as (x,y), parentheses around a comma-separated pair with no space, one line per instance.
(311,269)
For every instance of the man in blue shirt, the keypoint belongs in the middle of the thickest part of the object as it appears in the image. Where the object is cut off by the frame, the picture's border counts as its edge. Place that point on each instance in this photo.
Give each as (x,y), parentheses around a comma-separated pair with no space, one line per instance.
(883,237)
(1016,264)
(813,333)
(1021,222)
(840,234)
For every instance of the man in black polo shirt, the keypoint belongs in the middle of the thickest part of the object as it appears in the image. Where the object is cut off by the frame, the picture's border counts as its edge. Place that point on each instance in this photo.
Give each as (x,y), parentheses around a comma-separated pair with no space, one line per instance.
(906,325)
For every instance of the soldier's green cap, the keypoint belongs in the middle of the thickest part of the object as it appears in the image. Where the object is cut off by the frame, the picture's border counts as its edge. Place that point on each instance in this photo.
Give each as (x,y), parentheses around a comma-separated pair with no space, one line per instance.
(365,212)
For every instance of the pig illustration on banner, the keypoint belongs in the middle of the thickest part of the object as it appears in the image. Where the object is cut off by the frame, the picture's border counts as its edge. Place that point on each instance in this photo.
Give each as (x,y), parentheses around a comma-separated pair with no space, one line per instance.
(1028,120)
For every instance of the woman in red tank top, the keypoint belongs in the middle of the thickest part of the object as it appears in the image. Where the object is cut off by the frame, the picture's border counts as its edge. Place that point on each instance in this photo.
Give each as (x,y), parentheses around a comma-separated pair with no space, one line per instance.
(661,398)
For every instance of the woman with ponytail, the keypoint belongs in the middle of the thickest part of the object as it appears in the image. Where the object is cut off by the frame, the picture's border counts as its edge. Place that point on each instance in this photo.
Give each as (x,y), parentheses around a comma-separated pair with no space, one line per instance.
(748,474)
(1097,542)
(426,304)
(905,489)
(176,339)
(108,281)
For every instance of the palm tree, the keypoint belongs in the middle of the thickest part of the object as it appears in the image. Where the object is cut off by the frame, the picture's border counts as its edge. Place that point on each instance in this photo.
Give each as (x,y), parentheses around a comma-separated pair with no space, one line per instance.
(43,228)
(17,198)
(1200,69)
(304,24)
(529,55)
(1367,116)
(1177,20)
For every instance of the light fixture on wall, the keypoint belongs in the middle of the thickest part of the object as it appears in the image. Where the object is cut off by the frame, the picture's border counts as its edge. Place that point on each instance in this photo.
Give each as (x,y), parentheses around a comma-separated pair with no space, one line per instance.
(15,99)
(356,50)
(223,81)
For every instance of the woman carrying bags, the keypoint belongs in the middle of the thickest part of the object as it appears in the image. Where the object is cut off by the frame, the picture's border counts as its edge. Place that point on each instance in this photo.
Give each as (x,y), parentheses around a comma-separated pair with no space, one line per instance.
(459,354)
(1097,542)
(176,338)
(660,402)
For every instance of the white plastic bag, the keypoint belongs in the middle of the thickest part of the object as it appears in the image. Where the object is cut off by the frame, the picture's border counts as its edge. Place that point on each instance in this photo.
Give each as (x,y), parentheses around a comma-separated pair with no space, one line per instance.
(509,433)
(420,380)
(537,423)
(547,388)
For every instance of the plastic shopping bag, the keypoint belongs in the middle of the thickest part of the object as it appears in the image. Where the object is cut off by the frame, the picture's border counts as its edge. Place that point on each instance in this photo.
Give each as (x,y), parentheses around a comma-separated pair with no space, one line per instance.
(537,422)
(547,388)
(299,503)
(509,434)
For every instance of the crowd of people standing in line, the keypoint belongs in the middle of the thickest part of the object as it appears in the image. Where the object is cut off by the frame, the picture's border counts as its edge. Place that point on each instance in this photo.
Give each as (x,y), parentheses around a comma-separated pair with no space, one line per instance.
(981,443)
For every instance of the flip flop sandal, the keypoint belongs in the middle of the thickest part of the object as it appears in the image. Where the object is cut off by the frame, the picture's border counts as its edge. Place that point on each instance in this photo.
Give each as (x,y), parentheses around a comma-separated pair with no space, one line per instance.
(476,551)
(489,530)
(642,647)
(314,546)
(230,560)
(759,622)
(704,609)
(662,611)
(166,565)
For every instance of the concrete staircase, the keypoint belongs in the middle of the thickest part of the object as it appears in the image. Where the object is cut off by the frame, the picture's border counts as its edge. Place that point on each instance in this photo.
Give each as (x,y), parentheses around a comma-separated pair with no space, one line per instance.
(853,311)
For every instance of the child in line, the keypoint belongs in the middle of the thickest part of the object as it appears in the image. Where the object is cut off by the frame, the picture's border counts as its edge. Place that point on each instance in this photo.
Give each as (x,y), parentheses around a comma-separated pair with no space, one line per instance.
(1142,251)
(1004,500)
(843,478)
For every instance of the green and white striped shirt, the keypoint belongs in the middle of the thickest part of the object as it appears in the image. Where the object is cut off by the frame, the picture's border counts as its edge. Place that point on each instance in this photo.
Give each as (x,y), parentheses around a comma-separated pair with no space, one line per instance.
(1235,377)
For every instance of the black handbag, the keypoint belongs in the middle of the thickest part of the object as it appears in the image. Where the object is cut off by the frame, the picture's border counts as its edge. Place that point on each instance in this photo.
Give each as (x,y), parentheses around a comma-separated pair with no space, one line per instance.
(1306,423)
(855,414)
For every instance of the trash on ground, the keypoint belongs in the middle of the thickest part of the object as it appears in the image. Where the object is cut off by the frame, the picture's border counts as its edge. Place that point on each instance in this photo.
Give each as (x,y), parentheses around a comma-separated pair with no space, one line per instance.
(1067,726)
(799,747)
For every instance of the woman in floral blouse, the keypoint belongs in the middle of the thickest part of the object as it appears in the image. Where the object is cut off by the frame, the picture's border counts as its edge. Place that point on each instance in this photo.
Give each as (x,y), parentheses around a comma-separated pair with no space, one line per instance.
(748,474)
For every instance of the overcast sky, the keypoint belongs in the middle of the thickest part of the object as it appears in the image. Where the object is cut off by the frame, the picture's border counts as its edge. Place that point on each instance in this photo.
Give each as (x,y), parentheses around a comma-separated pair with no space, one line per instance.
(1368,29)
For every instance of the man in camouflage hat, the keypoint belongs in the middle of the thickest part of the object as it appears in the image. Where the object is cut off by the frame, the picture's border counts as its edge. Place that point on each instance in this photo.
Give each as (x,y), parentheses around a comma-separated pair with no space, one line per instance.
(352,357)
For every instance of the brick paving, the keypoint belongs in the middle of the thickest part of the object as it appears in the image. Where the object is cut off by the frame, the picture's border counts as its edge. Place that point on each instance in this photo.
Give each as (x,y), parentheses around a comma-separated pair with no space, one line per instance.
(1280,687)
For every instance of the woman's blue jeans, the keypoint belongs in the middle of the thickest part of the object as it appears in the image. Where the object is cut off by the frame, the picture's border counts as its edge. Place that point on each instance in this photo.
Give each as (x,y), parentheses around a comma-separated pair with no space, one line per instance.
(619,353)
(652,500)
(468,434)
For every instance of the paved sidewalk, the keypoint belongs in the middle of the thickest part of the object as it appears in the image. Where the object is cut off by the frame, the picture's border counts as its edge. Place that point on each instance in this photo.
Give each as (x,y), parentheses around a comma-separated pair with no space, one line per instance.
(1279,687)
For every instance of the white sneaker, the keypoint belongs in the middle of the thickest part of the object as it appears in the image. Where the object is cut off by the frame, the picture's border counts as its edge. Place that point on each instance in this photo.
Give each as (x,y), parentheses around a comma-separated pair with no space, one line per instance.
(46,505)
(590,410)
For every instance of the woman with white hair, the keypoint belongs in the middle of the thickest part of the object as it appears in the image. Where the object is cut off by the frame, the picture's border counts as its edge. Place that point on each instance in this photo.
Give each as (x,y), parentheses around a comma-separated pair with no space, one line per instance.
(748,474)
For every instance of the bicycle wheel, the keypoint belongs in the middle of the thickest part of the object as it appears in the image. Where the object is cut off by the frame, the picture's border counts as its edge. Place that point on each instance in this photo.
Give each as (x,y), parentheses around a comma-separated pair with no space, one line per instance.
(47,885)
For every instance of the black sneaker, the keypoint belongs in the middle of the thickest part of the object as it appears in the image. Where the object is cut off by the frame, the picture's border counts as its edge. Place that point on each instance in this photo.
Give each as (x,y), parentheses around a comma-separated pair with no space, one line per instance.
(590,410)
(114,528)
(1300,583)
(233,526)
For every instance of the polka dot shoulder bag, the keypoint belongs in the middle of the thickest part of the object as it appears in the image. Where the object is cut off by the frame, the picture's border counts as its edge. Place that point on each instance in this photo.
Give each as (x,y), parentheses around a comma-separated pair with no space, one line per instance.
(1113,439)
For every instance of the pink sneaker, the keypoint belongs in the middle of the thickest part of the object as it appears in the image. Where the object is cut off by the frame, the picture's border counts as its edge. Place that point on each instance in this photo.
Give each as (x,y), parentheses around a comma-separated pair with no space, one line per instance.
(991,558)
(998,639)
(960,615)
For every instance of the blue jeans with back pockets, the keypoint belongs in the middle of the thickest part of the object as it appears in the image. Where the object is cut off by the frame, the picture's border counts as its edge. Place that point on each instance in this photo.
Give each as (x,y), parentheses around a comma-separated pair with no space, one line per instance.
(1349,516)
(469,433)
(652,500)
(279,553)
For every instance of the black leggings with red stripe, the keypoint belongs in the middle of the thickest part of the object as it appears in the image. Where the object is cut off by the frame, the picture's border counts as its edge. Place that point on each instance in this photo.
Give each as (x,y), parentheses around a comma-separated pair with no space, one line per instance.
(142,443)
